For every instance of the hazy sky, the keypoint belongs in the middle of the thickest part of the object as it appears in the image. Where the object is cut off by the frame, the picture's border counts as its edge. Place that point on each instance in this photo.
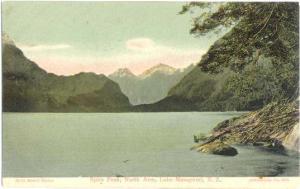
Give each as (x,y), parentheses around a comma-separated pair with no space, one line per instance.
(70,37)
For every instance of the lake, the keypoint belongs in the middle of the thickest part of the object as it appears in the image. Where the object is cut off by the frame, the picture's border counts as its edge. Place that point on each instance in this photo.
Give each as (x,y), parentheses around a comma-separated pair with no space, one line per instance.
(127,144)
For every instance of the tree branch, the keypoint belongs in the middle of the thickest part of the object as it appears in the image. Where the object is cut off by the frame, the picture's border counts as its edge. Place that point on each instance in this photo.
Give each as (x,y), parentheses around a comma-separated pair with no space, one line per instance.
(265,22)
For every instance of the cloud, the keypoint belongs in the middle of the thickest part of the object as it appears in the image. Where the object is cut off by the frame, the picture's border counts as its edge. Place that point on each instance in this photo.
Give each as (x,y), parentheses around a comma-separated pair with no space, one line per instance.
(29,48)
(140,44)
(143,53)
(136,62)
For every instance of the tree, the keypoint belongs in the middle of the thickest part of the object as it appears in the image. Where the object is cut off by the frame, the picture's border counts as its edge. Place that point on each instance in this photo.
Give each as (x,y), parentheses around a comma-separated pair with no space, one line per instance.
(258,57)
(268,29)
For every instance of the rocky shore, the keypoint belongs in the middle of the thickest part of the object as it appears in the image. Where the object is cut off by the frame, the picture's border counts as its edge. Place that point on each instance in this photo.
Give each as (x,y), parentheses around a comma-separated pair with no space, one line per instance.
(276,126)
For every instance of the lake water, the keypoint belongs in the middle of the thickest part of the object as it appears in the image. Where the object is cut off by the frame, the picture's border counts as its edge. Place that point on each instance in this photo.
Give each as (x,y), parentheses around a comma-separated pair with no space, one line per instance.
(127,144)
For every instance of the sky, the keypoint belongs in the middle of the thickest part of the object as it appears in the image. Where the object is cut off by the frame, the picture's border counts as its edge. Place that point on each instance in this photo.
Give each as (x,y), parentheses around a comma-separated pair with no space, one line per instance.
(66,38)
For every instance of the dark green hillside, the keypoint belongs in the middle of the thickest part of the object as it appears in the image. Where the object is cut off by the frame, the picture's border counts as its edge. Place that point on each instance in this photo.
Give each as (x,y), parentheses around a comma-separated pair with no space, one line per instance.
(254,64)
(262,52)
(190,96)
(28,88)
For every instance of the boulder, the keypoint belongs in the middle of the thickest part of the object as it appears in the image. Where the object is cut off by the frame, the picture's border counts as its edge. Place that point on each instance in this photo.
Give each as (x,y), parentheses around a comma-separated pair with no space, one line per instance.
(226,151)
(218,148)
(274,127)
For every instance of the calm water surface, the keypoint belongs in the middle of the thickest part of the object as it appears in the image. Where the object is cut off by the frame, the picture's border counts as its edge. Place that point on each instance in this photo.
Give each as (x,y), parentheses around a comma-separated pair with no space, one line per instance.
(127,144)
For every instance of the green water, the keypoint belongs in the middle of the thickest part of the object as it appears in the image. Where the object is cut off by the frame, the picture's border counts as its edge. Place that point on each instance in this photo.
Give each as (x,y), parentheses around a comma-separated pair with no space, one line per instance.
(128,144)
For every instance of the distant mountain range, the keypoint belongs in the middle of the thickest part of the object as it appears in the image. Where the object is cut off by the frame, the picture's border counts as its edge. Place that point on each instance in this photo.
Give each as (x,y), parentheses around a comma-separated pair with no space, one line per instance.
(28,88)
(192,93)
(150,86)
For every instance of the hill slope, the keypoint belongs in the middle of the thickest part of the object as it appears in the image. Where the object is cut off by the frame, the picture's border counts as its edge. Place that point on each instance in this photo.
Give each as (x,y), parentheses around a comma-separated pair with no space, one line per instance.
(251,66)
(262,53)
(28,88)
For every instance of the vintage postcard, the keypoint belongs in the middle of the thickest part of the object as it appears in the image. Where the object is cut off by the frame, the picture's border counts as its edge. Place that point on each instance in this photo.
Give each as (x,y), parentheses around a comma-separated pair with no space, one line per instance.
(150,94)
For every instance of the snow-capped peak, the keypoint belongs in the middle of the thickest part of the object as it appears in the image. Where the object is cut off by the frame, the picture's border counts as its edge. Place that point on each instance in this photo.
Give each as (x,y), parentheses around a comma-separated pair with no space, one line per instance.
(122,72)
(160,68)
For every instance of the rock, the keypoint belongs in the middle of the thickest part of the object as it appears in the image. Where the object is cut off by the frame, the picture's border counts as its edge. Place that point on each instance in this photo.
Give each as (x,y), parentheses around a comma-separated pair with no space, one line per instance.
(218,148)
(291,141)
(277,146)
(226,151)
(274,127)
(261,144)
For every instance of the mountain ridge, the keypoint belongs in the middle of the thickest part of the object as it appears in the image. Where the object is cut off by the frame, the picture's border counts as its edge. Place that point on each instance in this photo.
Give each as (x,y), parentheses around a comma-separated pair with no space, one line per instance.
(29,88)
(150,87)
(122,72)
(159,68)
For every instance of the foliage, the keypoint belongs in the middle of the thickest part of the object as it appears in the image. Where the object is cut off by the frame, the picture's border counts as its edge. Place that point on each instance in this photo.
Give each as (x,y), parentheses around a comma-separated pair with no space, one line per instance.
(269,29)
(261,52)
(272,123)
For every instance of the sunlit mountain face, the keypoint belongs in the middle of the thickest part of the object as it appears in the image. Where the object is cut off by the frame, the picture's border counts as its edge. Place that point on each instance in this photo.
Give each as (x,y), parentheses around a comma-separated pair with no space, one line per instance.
(150,86)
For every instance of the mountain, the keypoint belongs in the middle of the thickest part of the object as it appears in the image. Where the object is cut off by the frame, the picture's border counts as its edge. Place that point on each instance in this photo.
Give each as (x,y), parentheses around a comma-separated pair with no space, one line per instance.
(242,73)
(122,72)
(151,86)
(28,88)
(253,67)
(191,93)
(160,68)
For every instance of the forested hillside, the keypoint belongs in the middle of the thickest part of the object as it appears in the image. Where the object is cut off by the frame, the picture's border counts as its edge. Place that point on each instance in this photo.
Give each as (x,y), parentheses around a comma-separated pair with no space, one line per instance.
(261,52)
(254,64)
(28,88)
